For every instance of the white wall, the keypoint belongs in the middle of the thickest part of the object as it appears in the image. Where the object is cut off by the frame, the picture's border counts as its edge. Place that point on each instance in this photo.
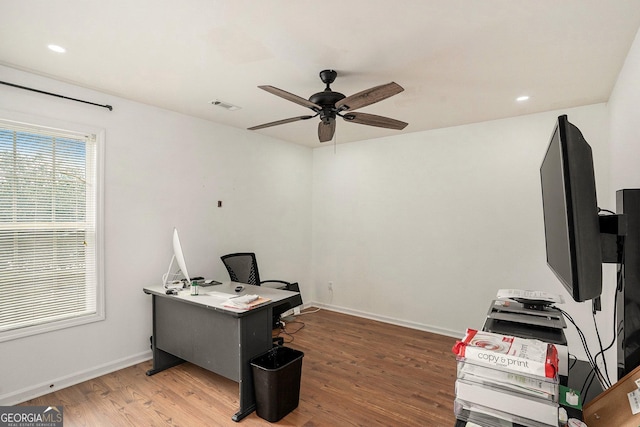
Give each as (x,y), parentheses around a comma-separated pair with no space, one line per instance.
(162,170)
(625,123)
(423,228)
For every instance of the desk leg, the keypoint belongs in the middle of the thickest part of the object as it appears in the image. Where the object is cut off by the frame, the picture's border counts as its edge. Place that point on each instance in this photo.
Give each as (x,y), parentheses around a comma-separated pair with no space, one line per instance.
(243,413)
(255,339)
(163,360)
(247,398)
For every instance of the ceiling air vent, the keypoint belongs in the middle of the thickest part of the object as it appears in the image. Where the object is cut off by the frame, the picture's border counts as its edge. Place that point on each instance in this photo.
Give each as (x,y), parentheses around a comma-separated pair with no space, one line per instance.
(225,105)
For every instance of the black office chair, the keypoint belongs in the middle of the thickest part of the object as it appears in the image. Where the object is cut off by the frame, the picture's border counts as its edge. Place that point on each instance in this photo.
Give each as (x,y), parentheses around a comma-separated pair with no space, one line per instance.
(243,268)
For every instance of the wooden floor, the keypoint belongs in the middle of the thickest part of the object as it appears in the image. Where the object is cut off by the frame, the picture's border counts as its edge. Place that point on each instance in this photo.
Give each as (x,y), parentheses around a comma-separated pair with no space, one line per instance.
(355,372)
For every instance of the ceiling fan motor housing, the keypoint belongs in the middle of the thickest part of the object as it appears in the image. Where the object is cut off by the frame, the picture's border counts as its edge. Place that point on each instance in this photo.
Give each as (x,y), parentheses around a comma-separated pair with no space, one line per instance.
(327,100)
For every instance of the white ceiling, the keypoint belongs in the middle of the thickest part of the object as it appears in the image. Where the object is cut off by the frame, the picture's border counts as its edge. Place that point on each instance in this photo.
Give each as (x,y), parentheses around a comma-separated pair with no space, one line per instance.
(460,61)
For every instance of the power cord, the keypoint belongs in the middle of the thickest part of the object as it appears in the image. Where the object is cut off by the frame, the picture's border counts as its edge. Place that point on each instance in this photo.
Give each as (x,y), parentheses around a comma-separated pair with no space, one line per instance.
(606,210)
(585,387)
(284,331)
(318,308)
(603,380)
(616,326)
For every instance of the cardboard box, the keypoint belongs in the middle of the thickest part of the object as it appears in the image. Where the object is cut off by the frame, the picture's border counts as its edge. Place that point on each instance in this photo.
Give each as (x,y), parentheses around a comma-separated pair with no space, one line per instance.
(613,407)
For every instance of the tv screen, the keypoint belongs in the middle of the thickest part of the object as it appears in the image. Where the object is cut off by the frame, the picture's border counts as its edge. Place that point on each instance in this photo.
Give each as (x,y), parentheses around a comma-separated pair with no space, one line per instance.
(571,224)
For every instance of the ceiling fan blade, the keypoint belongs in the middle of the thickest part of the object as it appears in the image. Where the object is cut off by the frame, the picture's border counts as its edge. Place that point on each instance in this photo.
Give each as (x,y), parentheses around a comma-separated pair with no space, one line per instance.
(326,130)
(280,122)
(369,96)
(291,97)
(375,120)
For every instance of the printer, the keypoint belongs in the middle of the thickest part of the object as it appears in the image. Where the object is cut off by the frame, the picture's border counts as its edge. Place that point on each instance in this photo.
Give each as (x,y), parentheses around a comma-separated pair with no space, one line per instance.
(534,321)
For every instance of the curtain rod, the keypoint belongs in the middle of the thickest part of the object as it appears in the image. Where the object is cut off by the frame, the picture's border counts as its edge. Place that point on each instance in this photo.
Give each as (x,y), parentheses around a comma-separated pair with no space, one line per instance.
(55,94)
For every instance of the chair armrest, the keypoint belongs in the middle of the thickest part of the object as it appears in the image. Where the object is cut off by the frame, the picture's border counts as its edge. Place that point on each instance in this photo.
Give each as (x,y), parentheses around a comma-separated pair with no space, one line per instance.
(276,284)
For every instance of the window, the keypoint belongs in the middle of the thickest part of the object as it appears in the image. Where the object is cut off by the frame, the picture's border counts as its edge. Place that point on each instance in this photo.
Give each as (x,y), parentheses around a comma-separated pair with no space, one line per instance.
(50,230)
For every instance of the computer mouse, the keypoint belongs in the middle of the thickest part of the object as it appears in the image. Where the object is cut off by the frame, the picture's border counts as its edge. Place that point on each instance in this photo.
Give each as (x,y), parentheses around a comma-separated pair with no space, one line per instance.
(239,288)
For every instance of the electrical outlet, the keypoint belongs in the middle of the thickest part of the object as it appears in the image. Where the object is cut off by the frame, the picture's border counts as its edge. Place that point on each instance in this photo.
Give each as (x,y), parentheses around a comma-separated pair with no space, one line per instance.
(330,285)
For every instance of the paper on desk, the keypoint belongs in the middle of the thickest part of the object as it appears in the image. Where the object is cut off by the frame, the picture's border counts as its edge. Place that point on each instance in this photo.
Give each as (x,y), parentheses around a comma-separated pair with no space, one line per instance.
(634,401)
(234,303)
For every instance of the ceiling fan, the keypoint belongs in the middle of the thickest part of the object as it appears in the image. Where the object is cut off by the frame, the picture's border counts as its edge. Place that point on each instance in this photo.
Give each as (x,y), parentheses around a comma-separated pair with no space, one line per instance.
(329,105)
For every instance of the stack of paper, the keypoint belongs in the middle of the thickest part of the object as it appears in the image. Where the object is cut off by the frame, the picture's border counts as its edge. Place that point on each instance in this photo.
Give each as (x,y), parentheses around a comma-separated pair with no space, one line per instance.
(245,302)
(527,356)
(507,378)
(543,388)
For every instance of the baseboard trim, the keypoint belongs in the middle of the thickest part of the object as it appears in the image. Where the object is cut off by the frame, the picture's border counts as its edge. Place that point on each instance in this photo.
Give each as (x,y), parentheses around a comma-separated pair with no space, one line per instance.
(29,393)
(390,320)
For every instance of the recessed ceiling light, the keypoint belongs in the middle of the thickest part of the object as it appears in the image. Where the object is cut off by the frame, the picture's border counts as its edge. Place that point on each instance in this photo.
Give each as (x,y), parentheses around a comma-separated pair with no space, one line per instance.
(522,98)
(56,48)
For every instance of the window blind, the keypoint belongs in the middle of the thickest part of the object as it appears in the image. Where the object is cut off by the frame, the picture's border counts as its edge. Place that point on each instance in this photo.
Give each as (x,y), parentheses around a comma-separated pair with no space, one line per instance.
(48,227)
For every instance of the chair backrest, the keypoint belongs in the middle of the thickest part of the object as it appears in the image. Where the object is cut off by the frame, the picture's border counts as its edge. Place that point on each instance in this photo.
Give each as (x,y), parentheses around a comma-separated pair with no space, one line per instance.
(242,267)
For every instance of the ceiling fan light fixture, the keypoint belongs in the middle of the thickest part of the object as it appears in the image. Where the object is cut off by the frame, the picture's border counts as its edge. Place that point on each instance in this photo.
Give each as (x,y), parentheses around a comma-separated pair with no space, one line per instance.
(225,105)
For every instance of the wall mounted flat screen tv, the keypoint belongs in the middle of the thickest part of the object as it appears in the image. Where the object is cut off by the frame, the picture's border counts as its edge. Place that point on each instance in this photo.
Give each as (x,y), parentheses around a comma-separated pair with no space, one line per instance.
(571,223)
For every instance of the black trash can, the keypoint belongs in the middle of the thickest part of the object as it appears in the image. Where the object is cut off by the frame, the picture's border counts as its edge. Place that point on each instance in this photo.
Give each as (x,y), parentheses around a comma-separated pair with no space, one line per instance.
(276,380)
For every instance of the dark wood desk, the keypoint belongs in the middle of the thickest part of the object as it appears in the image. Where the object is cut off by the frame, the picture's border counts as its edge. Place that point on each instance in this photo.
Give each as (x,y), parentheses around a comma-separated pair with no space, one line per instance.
(198,329)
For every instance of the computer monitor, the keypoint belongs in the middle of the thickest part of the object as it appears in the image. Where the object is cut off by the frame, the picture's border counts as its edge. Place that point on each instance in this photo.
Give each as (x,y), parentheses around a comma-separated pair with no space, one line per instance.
(571,223)
(178,256)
